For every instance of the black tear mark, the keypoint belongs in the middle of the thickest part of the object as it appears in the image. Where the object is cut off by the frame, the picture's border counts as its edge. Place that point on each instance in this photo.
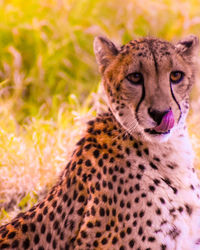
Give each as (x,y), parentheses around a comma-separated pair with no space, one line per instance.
(179,107)
(141,99)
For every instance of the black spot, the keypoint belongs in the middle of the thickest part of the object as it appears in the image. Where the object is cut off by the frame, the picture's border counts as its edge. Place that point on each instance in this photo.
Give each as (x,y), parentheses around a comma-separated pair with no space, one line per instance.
(98,234)
(51,216)
(162,200)
(90,225)
(26,243)
(95,243)
(83,234)
(54,244)
(151,239)
(88,163)
(137,199)
(81,141)
(81,198)
(104,198)
(114,240)
(104,241)
(99,176)
(122,234)
(156,181)
(141,167)
(100,162)
(50,198)
(188,209)
(15,244)
(156,159)
(101,211)
(140,231)
(153,166)
(180,209)
(79,242)
(128,164)
(5,245)
(174,232)
(32,214)
(130,176)
(11,235)
(122,203)
(120,217)
(151,188)
(39,217)
(48,237)
(36,239)
(24,228)
(135,223)
(43,228)
(88,146)
(131,190)
(54,204)
(139,176)
(79,171)
(170,166)
(131,243)
(45,211)
(143,195)
(141,214)
(41,204)
(149,223)
(137,186)
(127,151)
(158,211)
(105,156)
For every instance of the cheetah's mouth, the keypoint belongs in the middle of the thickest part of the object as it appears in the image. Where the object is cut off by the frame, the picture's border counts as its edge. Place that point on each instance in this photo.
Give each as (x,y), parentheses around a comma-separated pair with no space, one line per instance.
(153,132)
(164,126)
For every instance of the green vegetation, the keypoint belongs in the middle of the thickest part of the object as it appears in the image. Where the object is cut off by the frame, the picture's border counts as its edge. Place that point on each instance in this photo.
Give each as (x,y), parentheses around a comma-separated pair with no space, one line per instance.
(49,80)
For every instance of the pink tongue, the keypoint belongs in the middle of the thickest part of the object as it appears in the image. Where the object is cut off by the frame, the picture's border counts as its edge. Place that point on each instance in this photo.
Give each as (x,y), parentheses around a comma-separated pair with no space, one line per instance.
(167,122)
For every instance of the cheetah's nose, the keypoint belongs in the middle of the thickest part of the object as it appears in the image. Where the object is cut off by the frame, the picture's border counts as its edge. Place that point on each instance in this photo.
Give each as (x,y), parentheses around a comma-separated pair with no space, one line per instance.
(165,120)
(157,115)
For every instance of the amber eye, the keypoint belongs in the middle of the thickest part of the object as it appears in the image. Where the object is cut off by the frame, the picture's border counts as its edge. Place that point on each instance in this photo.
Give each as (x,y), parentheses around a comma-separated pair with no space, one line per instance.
(135,78)
(176,76)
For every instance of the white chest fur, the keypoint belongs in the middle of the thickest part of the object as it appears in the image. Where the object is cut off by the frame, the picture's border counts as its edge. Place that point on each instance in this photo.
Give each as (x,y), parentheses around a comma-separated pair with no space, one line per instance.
(172,202)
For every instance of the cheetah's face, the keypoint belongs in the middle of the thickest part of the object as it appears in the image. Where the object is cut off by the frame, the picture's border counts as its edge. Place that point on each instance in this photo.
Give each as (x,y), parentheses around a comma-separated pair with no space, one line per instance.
(147,83)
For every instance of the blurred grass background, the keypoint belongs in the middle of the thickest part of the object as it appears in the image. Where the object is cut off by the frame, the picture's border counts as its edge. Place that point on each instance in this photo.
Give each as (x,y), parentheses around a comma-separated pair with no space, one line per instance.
(49,80)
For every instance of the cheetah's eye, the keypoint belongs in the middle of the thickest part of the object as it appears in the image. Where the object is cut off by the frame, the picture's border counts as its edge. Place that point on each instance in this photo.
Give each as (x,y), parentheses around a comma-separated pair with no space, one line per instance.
(176,76)
(135,78)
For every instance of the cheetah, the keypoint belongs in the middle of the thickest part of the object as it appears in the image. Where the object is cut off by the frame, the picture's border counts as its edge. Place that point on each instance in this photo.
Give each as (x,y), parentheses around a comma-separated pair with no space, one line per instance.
(130,182)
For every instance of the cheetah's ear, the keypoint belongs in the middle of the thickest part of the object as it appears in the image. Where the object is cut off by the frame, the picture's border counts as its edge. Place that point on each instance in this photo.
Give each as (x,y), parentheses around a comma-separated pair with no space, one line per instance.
(105,51)
(188,46)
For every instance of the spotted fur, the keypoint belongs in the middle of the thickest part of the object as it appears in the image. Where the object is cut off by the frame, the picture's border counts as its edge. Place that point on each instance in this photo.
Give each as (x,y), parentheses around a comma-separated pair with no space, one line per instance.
(124,187)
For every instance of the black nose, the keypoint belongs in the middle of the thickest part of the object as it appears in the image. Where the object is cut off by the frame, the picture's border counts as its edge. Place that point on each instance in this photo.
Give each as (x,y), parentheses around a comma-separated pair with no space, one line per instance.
(157,115)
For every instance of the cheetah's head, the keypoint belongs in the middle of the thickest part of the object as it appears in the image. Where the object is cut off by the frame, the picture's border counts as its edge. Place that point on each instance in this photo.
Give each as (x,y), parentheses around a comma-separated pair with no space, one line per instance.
(147,83)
